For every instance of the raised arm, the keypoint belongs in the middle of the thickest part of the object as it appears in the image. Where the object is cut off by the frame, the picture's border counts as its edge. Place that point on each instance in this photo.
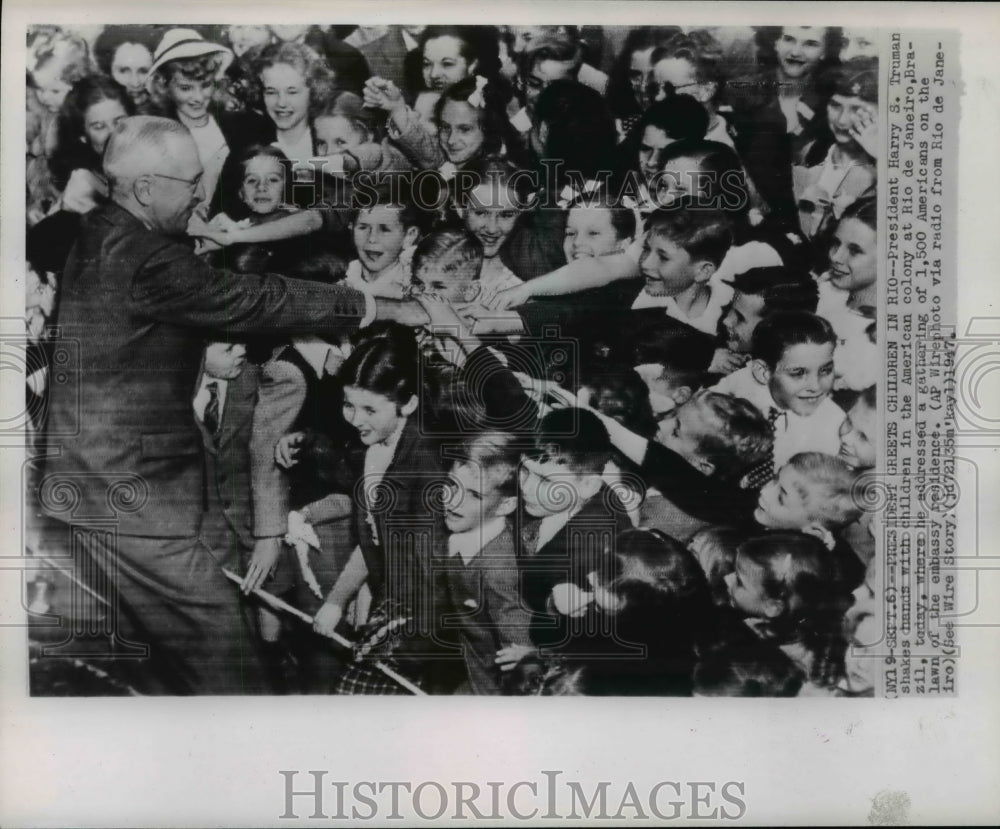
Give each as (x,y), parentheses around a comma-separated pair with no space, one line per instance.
(578,275)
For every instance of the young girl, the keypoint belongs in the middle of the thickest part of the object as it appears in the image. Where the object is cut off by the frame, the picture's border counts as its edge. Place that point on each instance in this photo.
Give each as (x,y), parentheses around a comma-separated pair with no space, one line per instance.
(471,121)
(827,186)
(125,54)
(346,135)
(92,109)
(788,588)
(395,467)
(649,605)
(849,282)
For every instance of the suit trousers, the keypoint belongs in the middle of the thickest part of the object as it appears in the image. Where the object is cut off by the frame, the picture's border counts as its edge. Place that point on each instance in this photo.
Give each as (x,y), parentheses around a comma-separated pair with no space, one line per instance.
(173,599)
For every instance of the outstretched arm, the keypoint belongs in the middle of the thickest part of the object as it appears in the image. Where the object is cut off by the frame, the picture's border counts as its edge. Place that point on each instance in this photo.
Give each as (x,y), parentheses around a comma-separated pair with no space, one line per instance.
(578,275)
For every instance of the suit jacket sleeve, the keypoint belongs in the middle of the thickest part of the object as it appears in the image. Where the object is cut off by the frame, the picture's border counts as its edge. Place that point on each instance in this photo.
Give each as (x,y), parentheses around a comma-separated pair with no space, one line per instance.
(175,286)
(512,620)
(280,399)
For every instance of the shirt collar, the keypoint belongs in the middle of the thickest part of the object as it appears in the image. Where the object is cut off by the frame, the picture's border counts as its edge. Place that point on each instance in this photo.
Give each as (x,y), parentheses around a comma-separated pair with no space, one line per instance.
(470,543)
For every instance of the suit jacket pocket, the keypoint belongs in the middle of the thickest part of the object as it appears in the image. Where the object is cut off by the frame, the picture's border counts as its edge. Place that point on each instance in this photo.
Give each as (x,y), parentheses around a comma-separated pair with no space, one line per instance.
(169,445)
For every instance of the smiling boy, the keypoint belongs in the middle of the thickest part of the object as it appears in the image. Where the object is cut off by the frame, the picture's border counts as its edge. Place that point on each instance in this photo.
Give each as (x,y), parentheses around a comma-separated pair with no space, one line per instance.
(789,379)
(384,235)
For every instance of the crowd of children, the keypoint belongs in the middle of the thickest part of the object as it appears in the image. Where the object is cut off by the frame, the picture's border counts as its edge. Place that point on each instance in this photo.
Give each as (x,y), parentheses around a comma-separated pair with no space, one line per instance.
(625,455)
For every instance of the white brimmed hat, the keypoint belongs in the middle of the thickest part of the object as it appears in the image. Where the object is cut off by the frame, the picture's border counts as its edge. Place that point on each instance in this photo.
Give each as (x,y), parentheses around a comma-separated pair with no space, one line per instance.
(185,43)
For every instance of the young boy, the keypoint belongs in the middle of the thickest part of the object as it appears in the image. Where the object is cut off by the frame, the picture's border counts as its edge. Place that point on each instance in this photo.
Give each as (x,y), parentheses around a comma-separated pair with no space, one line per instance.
(384,234)
(579,515)
(758,293)
(699,452)
(672,359)
(859,431)
(681,250)
(789,379)
(482,575)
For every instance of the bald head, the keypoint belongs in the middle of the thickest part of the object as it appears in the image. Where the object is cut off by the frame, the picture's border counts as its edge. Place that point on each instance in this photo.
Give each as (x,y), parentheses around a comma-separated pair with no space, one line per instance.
(154,171)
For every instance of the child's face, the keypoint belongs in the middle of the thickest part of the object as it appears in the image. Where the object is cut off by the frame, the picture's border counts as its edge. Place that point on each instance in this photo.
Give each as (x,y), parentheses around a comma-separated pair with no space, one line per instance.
(589,233)
(459,131)
(663,393)
(679,178)
(246,37)
(50,88)
(543,73)
(852,256)
(191,97)
(799,49)
(842,112)
(286,96)
(379,236)
(653,141)
(100,119)
(858,43)
(336,134)
(224,361)
(549,488)
(787,502)
(452,279)
(740,321)
(803,378)
(858,435)
(746,590)
(443,63)
(491,216)
(374,415)
(684,431)
(130,67)
(474,497)
(263,185)
(667,268)
(638,75)
(856,362)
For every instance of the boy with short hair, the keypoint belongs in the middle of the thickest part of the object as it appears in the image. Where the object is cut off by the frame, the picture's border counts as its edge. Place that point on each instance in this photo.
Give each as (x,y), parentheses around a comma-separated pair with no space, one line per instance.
(681,250)
(384,235)
(757,293)
(672,359)
(789,379)
(562,485)
(482,576)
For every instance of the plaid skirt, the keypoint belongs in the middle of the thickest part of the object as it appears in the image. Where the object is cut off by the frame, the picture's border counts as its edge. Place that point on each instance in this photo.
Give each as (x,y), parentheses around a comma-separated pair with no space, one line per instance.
(387,640)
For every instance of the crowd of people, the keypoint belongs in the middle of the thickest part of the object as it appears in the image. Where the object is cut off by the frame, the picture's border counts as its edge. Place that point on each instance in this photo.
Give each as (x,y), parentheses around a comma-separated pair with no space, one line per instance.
(516,360)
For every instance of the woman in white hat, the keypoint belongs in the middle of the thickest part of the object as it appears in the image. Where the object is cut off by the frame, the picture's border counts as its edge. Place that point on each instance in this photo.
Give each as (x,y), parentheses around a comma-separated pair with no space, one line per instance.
(183,81)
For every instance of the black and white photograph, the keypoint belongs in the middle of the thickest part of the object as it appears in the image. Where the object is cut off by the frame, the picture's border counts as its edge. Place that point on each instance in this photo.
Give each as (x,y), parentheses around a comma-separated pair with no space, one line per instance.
(482,359)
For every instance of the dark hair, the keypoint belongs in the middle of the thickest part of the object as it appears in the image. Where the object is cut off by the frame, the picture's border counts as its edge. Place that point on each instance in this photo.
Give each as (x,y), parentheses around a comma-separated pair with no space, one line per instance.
(581,131)
(479,43)
(498,133)
(113,37)
(233,171)
(622,395)
(502,172)
(751,668)
(858,78)
(392,193)
(558,47)
(798,571)
(620,95)
(683,351)
(766,38)
(681,117)
(778,332)
(70,152)
(623,220)
(576,438)
(385,365)
(869,398)
(703,234)
(780,288)
(864,210)
(725,180)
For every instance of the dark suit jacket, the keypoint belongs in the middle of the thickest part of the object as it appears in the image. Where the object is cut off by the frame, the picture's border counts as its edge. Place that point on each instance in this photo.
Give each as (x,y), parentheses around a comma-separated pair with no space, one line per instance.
(227,463)
(138,305)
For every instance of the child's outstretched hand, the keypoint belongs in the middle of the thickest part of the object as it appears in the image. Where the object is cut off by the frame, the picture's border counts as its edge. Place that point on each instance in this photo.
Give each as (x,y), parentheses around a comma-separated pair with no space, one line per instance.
(725,361)
(511,656)
(380,93)
(510,298)
(287,449)
(571,600)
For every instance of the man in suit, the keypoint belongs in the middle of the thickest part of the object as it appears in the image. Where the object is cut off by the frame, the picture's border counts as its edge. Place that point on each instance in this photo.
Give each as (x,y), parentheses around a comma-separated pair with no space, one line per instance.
(140,304)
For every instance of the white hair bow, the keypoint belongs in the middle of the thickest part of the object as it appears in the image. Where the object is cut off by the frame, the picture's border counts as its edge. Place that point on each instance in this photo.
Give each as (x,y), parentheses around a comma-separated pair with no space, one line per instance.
(476,98)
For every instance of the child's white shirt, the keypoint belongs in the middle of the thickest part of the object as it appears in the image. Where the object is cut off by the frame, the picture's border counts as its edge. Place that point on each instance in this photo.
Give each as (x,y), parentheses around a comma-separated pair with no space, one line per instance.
(212,152)
(471,543)
(793,433)
(832,303)
(707,321)
(391,283)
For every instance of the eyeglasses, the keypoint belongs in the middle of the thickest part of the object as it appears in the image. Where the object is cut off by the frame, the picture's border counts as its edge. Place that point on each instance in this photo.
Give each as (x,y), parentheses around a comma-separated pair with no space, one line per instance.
(668,89)
(192,183)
